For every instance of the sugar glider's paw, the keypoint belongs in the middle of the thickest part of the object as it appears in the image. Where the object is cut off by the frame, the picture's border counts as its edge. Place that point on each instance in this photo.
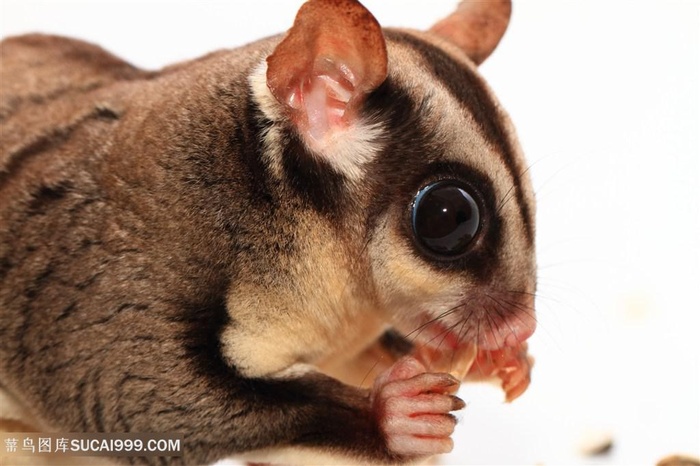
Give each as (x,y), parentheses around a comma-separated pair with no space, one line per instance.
(413,409)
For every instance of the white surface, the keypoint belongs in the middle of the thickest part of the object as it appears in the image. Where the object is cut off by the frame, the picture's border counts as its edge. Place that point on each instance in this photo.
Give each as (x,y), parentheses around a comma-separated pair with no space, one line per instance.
(605,96)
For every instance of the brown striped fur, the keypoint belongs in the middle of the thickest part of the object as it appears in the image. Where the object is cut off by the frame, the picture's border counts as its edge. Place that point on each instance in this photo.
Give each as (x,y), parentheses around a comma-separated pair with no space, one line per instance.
(175,258)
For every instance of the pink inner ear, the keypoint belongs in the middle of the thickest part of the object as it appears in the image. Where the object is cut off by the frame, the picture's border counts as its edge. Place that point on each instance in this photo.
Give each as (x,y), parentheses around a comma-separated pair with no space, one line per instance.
(324,97)
(331,58)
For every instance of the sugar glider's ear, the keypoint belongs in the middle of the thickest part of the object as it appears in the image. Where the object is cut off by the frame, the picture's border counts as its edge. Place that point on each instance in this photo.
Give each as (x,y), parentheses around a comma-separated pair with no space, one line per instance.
(321,72)
(477,27)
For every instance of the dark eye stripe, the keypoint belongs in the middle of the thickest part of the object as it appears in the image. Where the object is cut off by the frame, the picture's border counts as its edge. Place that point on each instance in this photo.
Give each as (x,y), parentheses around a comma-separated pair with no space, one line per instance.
(471,93)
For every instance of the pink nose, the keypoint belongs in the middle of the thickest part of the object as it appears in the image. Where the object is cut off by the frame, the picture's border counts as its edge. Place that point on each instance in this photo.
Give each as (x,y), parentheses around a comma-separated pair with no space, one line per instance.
(512,326)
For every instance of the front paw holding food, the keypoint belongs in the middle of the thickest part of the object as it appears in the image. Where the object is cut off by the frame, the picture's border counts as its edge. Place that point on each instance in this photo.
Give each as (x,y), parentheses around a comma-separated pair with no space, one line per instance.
(413,408)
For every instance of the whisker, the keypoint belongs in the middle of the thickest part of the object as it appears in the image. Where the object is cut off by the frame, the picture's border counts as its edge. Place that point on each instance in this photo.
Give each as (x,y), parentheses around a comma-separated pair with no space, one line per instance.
(371,369)
(521,319)
(532,316)
(500,305)
(488,359)
(507,197)
(461,335)
(444,333)
(564,287)
(537,296)
(529,293)
(492,325)
(529,311)
(507,324)
(459,338)
(548,180)
(431,321)
(570,262)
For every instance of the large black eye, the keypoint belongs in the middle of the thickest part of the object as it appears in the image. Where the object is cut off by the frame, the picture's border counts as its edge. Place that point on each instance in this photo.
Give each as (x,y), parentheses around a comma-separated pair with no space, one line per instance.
(445,218)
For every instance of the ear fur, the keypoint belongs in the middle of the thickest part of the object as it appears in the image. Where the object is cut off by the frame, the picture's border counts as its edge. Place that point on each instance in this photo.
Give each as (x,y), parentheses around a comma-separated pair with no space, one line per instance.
(476,27)
(321,72)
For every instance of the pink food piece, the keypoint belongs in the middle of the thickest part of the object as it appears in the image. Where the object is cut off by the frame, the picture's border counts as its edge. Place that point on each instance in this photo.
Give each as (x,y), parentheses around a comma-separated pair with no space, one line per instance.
(511,365)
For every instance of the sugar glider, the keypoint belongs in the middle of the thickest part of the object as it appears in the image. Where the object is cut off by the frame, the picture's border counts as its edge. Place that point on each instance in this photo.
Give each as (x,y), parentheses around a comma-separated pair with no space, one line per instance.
(268,249)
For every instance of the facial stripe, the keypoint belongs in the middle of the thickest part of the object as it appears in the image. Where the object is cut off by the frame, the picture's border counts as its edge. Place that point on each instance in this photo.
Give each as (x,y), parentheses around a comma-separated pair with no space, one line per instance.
(472,94)
(413,157)
(312,178)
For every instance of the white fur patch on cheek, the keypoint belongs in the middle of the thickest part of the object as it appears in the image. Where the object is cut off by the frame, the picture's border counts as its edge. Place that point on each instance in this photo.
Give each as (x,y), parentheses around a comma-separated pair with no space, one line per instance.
(347,148)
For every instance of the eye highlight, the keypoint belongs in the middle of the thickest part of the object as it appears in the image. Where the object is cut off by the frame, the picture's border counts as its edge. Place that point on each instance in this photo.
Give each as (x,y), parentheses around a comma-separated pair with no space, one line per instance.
(445,218)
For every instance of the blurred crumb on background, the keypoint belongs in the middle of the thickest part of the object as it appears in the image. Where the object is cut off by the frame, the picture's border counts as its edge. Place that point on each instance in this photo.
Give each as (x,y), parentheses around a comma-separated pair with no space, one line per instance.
(679,460)
(596,442)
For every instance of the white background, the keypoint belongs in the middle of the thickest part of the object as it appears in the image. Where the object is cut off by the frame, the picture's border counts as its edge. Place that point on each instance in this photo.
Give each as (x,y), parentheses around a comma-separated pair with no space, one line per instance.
(605,97)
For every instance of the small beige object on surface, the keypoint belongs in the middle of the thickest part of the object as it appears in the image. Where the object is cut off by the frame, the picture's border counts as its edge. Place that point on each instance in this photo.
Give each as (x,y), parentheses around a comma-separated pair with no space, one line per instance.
(596,443)
(679,460)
